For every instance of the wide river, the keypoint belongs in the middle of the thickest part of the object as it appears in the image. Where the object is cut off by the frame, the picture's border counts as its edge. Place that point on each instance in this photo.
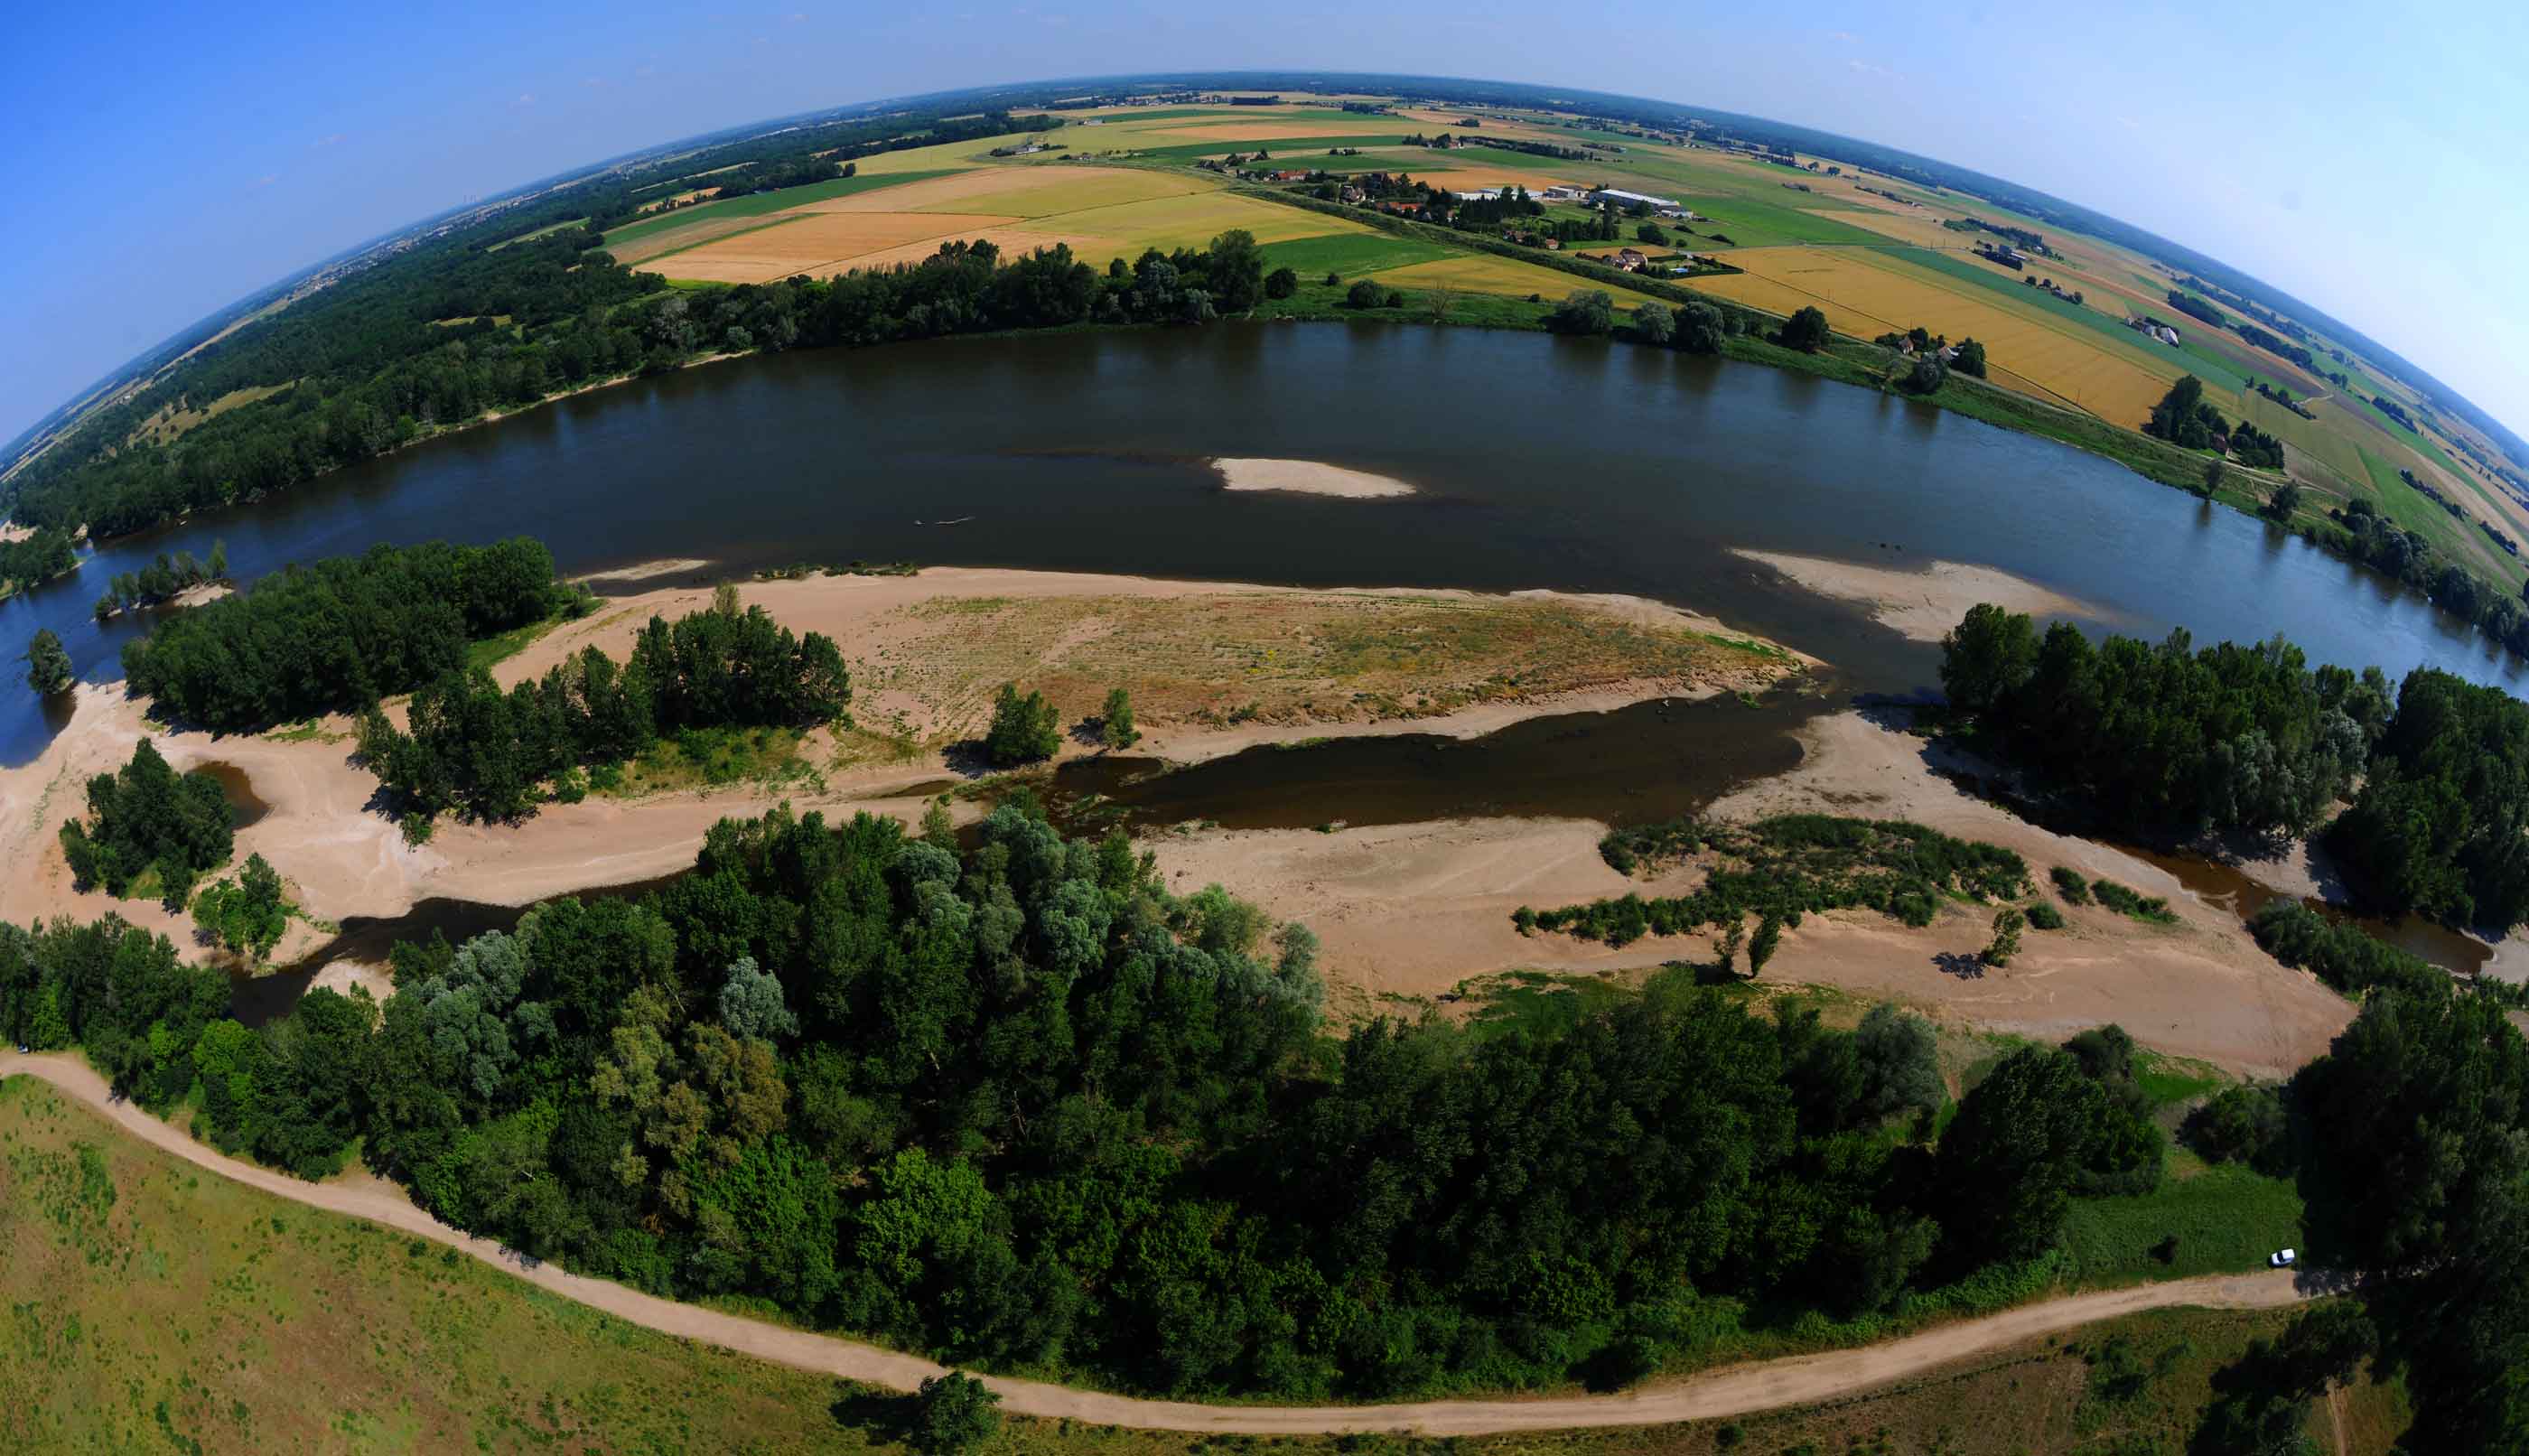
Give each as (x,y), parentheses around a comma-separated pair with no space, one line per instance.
(1544,463)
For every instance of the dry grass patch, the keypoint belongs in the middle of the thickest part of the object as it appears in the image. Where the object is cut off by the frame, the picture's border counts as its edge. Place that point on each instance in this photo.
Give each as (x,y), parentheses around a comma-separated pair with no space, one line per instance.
(1505,276)
(1291,658)
(1021,191)
(639,251)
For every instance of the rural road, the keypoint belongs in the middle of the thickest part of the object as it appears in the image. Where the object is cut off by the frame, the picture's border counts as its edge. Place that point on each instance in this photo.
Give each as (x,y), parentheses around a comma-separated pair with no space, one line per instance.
(1737,1390)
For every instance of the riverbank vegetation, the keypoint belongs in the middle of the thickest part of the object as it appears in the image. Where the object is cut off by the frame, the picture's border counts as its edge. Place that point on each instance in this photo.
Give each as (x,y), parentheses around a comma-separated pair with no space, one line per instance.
(339,634)
(1024,1105)
(491,755)
(2174,740)
(1778,870)
(162,579)
(149,830)
(35,557)
(478,1360)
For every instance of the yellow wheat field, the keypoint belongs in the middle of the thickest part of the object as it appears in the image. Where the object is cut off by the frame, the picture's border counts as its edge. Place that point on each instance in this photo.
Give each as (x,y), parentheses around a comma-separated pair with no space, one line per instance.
(822,244)
(1864,294)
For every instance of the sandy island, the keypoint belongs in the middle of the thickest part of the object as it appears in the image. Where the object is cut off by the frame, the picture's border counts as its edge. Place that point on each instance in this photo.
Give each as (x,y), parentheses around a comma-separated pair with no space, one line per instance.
(1413,910)
(1308,477)
(1213,669)
(1925,603)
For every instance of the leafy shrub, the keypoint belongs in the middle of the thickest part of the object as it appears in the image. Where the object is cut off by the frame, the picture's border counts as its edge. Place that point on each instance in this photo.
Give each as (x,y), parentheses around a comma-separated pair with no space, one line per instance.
(2124,902)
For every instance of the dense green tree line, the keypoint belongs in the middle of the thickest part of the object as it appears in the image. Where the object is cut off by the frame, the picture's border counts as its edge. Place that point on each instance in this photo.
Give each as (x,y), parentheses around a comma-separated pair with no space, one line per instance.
(2230,737)
(339,634)
(2417,1168)
(471,747)
(2167,737)
(2439,824)
(373,362)
(146,819)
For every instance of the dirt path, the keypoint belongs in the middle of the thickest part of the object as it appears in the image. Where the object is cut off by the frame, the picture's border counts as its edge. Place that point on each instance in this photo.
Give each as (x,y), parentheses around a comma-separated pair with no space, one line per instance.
(1797,1381)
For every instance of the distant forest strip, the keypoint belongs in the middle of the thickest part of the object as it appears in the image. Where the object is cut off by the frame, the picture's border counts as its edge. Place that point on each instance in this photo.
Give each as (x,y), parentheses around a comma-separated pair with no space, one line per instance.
(411,344)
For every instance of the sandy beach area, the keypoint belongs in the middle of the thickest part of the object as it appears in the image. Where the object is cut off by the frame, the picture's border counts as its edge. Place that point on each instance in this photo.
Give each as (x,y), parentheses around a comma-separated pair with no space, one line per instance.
(1925,603)
(1308,477)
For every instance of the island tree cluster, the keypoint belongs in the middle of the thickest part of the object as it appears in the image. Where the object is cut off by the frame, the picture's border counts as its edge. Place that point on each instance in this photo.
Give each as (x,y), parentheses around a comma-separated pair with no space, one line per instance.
(339,634)
(148,823)
(488,754)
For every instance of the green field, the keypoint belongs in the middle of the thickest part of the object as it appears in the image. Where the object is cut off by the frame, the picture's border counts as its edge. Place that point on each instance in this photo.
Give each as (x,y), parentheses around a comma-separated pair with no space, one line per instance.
(2226,1219)
(1351,254)
(758,204)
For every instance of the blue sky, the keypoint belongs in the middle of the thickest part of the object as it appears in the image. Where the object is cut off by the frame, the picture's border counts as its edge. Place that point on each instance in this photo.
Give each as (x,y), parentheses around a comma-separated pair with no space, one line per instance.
(167,160)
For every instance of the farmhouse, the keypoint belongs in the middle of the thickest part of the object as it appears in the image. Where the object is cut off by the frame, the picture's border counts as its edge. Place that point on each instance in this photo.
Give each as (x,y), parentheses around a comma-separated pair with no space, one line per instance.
(1630,260)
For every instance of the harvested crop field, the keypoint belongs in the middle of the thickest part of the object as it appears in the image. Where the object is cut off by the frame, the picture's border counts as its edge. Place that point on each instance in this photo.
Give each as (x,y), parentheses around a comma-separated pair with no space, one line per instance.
(693,234)
(1864,294)
(822,244)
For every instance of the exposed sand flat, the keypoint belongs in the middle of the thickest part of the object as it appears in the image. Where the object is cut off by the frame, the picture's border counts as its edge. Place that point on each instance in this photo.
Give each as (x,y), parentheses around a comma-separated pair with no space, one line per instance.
(1308,477)
(1414,909)
(648,571)
(1925,603)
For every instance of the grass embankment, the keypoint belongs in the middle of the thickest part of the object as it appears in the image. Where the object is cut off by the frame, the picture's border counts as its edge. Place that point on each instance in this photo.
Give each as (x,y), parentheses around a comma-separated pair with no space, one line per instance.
(152,1306)
(1289,657)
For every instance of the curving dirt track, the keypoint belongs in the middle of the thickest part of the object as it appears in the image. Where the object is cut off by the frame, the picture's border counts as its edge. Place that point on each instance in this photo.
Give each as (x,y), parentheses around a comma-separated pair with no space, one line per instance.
(1796,1381)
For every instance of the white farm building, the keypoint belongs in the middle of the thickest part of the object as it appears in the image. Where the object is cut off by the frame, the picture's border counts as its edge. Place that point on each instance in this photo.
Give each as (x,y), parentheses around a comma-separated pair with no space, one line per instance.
(1627,199)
